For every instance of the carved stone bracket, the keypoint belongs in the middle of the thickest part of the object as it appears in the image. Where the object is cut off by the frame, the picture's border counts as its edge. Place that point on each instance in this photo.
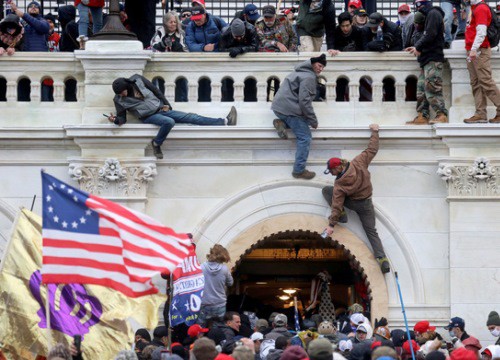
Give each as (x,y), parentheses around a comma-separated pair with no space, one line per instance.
(477,180)
(114,178)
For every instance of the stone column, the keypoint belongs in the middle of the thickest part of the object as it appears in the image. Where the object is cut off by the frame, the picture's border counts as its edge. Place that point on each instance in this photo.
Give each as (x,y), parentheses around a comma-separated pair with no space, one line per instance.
(471,173)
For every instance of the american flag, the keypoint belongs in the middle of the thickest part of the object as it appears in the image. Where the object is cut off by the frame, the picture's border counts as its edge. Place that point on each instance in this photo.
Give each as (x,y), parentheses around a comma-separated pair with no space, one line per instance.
(90,240)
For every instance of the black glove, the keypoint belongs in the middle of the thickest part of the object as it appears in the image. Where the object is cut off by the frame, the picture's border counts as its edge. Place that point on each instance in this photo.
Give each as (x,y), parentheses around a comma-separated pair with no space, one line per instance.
(377,45)
(234,52)
(382,322)
(388,40)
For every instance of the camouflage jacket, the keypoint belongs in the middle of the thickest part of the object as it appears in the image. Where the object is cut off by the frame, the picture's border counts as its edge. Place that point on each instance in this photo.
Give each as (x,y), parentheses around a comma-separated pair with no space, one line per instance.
(282,31)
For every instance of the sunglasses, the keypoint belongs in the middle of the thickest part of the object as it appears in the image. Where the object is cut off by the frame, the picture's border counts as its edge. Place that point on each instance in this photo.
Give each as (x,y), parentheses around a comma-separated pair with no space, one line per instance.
(185,15)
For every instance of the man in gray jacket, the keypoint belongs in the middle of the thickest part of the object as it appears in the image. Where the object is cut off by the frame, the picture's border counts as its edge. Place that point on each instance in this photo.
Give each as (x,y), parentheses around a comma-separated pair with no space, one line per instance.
(145,101)
(293,107)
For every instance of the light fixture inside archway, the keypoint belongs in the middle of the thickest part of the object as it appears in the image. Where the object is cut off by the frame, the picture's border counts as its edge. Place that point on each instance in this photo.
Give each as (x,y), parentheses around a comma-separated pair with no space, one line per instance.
(290,291)
(284,297)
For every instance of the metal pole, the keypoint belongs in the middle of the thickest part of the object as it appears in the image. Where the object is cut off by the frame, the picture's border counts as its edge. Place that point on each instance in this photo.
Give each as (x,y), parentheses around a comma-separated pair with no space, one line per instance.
(404,316)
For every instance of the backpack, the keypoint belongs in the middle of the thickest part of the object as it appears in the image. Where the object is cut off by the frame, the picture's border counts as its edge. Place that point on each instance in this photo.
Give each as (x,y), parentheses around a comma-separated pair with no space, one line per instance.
(493,31)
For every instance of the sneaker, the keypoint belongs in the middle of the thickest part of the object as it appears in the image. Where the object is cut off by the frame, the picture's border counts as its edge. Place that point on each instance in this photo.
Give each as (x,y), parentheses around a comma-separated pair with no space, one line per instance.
(420,119)
(156,150)
(439,119)
(495,120)
(306,174)
(280,127)
(476,119)
(384,264)
(232,117)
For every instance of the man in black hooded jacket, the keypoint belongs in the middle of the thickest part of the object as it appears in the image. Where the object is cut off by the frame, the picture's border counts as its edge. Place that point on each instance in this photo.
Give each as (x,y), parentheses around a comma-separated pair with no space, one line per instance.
(391,34)
(429,51)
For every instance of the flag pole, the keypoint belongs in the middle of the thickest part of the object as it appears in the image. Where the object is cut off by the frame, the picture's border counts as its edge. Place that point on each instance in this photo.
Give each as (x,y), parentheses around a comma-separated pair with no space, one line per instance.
(47,316)
(404,316)
(167,303)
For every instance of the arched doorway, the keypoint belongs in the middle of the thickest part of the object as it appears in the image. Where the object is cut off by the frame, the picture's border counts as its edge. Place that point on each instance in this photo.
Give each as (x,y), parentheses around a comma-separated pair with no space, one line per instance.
(283,265)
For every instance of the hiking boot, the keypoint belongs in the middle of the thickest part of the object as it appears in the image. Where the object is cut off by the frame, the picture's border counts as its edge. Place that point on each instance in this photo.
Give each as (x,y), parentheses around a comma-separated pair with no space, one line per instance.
(439,119)
(420,119)
(495,120)
(280,127)
(306,174)
(384,264)
(156,150)
(232,117)
(476,119)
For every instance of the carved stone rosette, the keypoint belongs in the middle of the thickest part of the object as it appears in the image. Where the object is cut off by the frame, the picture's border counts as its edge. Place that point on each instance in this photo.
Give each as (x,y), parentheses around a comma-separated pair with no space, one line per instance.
(477,180)
(113,178)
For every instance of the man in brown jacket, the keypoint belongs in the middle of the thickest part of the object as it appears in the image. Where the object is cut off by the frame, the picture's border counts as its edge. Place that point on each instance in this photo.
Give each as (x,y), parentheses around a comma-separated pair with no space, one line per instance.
(353,189)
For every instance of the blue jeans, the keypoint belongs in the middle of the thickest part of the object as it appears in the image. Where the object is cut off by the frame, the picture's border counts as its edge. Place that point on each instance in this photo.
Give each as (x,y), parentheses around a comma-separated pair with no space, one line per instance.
(300,127)
(83,23)
(448,20)
(167,119)
(209,312)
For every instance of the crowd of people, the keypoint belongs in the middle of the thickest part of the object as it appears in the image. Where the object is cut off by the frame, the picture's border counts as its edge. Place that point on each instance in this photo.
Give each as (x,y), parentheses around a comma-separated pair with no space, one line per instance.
(244,336)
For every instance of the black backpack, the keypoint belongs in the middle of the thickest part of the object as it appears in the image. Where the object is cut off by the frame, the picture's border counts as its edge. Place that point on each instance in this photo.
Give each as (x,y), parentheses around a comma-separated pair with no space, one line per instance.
(493,31)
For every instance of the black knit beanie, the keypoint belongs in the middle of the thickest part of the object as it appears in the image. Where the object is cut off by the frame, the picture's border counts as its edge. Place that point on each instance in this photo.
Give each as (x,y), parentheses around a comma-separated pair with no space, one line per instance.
(493,319)
(321,59)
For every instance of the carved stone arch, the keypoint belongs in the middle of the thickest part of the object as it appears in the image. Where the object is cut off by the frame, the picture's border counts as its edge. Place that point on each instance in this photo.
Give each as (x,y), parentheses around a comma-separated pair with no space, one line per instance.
(240,221)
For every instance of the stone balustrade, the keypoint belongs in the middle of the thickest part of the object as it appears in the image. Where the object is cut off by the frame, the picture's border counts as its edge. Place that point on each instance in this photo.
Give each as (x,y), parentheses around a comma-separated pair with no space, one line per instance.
(359,88)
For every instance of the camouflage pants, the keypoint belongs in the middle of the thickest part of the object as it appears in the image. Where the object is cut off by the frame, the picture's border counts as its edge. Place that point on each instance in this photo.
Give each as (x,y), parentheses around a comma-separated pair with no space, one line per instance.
(430,89)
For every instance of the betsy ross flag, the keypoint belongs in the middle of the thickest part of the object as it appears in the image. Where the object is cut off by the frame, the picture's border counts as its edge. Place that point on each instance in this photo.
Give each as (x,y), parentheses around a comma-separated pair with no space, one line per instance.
(90,240)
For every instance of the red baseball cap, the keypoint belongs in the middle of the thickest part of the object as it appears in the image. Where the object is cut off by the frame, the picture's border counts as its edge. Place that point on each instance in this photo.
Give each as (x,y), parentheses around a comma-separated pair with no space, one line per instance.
(355,3)
(423,326)
(200,2)
(404,7)
(414,345)
(197,12)
(331,164)
(195,330)
(462,354)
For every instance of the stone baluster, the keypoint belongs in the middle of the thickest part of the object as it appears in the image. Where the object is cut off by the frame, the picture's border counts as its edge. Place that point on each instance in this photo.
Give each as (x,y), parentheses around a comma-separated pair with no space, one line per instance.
(238,91)
(58,91)
(353,92)
(170,90)
(216,91)
(377,94)
(11,91)
(80,95)
(400,91)
(261,91)
(193,91)
(35,94)
(331,94)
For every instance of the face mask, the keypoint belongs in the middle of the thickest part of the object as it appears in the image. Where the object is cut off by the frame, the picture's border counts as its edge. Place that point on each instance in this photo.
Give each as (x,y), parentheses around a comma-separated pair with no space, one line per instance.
(495,332)
(403,18)
(452,333)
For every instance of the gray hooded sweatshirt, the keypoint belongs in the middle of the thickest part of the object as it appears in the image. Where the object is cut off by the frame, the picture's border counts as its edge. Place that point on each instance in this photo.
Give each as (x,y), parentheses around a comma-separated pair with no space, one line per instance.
(296,94)
(217,278)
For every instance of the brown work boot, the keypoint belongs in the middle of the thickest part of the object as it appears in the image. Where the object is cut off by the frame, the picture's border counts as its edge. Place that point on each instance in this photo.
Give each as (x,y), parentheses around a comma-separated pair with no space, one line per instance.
(476,119)
(306,174)
(439,119)
(420,119)
(495,120)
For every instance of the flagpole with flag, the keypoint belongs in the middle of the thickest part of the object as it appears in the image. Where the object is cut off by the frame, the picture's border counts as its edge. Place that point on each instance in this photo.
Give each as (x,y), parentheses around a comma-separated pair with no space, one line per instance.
(91,240)
(296,314)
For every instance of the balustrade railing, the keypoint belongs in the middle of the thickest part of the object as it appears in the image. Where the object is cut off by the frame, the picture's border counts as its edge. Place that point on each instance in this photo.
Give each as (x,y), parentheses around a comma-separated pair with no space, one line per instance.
(353,87)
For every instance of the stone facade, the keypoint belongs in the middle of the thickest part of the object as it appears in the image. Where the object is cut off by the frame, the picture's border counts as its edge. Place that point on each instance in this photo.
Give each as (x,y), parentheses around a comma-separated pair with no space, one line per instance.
(435,188)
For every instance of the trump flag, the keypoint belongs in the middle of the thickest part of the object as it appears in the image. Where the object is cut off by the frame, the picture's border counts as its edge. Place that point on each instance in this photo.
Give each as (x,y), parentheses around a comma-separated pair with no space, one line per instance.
(188,283)
(90,240)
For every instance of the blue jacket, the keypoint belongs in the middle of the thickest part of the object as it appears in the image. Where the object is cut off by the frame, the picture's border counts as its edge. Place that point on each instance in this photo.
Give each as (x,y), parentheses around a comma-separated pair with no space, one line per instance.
(35,33)
(199,36)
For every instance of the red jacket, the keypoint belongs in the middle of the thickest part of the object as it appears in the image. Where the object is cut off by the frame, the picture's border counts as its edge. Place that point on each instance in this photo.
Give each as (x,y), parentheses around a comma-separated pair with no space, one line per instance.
(92,3)
(481,15)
